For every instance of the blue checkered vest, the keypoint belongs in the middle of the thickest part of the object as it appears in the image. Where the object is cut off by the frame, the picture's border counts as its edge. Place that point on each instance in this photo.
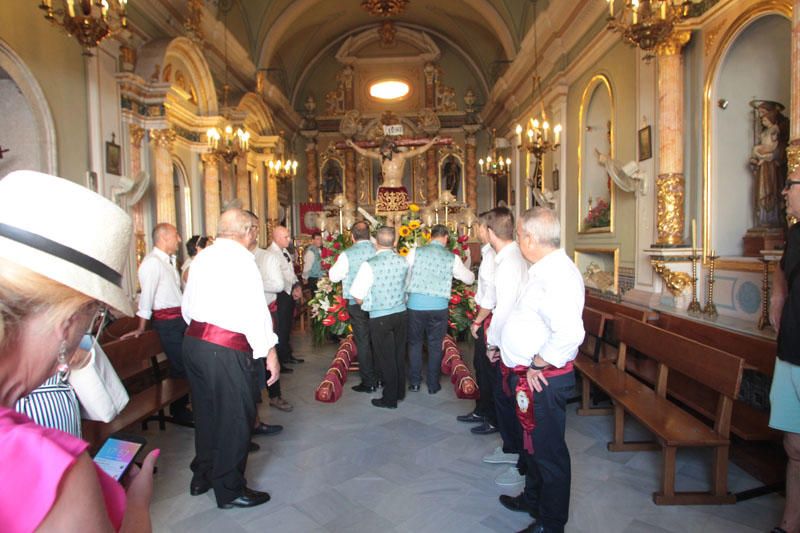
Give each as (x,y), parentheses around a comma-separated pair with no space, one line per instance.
(432,272)
(388,291)
(356,254)
(316,268)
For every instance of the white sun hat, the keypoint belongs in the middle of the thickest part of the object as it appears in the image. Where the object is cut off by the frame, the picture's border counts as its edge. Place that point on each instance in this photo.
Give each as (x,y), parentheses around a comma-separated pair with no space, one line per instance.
(67,233)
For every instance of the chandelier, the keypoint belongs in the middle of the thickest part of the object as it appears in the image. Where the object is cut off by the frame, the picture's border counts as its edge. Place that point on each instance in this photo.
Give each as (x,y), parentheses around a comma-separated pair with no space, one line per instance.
(494,165)
(384,8)
(283,170)
(89,21)
(227,145)
(647,23)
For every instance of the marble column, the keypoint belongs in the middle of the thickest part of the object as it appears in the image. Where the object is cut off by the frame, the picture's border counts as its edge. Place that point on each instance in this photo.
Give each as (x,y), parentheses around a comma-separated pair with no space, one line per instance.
(350,175)
(793,150)
(137,212)
(432,175)
(670,183)
(165,192)
(471,170)
(430,85)
(226,172)
(242,181)
(272,203)
(312,177)
(211,192)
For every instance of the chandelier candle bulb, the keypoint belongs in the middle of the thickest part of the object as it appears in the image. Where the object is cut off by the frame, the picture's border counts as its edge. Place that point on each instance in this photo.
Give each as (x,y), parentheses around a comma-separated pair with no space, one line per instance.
(557,132)
(71,7)
(518,131)
(611,8)
(635,12)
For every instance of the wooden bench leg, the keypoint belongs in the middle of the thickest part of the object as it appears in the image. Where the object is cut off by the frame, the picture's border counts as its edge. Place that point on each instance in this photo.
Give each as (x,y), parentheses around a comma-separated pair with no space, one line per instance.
(162,420)
(619,444)
(718,495)
(719,466)
(586,401)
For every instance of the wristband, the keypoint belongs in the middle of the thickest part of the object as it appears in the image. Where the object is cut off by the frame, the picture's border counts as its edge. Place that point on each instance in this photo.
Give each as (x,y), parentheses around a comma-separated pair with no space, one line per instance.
(535,367)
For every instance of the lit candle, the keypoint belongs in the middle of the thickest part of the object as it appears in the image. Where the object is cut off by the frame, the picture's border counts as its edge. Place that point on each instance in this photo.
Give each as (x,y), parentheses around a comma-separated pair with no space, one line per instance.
(546,128)
(480,163)
(611,8)
(663,9)
(519,134)
(635,12)
(694,235)
(557,131)
(530,135)
(71,7)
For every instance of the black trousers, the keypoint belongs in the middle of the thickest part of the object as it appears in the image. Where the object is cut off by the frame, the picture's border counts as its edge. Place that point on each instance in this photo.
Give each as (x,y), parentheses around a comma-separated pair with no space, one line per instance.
(170,333)
(548,472)
(312,285)
(224,413)
(285,320)
(359,319)
(429,327)
(273,390)
(505,410)
(484,375)
(389,343)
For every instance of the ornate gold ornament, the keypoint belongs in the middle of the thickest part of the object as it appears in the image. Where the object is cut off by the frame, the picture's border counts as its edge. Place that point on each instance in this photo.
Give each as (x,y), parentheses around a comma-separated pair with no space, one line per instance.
(384,8)
(647,24)
(676,282)
(89,21)
(670,192)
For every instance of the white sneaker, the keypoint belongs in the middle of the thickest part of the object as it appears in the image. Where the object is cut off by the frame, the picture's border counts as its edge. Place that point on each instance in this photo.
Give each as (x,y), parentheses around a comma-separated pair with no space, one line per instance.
(498,456)
(509,477)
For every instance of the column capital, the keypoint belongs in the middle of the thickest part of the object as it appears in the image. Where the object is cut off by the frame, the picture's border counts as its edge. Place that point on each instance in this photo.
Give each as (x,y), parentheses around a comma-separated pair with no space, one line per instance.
(674,43)
(137,134)
(163,138)
(209,158)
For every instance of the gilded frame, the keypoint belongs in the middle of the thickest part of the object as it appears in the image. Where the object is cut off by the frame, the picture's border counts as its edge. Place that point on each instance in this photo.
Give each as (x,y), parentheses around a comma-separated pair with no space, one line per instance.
(458,154)
(580,251)
(323,163)
(732,31)
(594,82)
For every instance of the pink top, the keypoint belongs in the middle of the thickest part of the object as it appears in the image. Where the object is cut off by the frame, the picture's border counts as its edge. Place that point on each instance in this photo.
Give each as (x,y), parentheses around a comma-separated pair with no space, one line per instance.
(33,461)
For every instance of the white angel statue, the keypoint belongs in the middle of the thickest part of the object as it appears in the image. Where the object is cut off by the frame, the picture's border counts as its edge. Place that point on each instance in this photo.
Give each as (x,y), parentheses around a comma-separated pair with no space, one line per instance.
(627,177)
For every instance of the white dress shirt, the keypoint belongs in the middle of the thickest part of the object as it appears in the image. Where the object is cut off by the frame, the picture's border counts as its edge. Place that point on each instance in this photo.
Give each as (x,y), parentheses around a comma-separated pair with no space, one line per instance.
(485,296)
(269,266)
(460,271)
(510,275)
(547,318)
(339,269)
(160,283)
(225,290)
(277,258)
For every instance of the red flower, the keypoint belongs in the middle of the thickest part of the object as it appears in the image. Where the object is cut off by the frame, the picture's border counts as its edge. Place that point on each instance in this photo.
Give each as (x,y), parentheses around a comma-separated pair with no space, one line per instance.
(456,299)
(326,266)
(330,238)
(470,315)
(464,246)
(336,245)
(343,316)
(463,238)
(455,251)
(325,253)
(338,299)
(335,308)
(328,321)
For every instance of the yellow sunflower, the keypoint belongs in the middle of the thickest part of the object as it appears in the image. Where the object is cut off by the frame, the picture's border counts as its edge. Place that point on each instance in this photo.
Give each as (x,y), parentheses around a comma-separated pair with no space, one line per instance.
(414,224)
(413,207)
(403,251)
(404,231)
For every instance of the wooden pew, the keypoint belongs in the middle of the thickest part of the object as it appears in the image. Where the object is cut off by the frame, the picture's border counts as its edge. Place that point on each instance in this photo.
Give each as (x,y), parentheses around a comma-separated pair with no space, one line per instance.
(136,362)
(594,324)
(672,426)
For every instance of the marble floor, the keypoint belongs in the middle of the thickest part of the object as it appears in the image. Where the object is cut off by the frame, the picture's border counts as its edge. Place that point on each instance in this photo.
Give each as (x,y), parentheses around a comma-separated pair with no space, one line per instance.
(351,467)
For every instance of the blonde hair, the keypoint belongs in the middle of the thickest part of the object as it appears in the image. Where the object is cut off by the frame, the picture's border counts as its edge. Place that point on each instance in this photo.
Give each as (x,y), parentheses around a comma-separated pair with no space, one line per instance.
(24,293)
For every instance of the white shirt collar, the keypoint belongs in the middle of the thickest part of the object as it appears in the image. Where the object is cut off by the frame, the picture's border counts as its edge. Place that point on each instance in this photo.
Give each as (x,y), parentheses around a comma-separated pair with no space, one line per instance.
(507,250)
(161,254)
(542,264)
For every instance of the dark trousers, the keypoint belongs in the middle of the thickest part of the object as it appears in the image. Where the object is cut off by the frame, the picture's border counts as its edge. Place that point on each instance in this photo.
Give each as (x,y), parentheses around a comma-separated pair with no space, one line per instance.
(505,409)
(312,285)
(548,475)
(430,327)
(484,375)
(224,413)
(285,320)
(170,333)
(359,319)
(389,343)
(273,390)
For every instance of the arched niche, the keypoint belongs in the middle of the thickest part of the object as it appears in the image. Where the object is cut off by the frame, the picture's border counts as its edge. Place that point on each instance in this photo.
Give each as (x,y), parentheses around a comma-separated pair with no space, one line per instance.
(752,62)
(595,191)
(23,104)
(183,201)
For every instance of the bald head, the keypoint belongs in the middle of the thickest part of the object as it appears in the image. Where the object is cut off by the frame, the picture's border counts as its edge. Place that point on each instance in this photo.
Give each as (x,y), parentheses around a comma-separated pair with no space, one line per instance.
(166,238)
(280,236)
(385,237)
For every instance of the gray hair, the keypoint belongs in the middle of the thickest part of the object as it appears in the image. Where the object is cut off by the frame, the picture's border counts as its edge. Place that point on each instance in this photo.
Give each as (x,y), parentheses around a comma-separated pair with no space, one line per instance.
(385,236)
(542,225)
(234,223)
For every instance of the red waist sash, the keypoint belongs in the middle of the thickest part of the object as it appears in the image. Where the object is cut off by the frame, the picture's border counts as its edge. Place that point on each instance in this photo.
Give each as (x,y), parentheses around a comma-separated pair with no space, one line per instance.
(217,335)
(168,313)
(524,397)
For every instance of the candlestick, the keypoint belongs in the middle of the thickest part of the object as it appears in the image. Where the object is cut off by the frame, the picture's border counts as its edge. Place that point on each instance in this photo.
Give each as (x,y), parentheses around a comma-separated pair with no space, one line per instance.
(694,305)
(763,320)
(710,309)
(694,235)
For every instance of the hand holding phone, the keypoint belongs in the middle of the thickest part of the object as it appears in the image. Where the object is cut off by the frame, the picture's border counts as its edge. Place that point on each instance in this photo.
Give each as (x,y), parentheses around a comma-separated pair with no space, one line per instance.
(118,453)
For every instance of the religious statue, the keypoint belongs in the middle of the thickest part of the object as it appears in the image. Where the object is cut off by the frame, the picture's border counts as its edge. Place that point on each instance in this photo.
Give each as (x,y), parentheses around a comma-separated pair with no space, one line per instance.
(768,163)
(451,172)
(392,195)
(332,184)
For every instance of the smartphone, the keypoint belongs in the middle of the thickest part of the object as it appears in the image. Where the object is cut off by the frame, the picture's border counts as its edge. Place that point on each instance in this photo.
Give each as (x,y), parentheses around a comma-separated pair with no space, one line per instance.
(118,452)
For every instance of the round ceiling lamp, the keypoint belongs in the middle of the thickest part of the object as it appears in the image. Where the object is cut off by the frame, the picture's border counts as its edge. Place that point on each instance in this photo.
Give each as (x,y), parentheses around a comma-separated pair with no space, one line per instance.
(389,90)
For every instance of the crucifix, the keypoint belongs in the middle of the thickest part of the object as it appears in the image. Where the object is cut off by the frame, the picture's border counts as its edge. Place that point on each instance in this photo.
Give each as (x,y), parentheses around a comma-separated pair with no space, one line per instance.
(3,150)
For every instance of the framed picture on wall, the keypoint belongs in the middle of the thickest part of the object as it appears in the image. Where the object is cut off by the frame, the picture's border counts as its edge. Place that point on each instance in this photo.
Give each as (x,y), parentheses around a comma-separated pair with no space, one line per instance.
(645,144)
(113,157)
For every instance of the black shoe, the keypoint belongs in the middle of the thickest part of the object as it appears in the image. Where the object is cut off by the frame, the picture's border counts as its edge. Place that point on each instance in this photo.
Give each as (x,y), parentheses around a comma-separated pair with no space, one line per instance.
(250,498)
(379,402)
(253,447)
(434,391)
(516,504)
(362,387)
(484,429)
(413,388)
(295,360)
(196,489)
(286,370)
(184,417)
(267,429)
(471,418)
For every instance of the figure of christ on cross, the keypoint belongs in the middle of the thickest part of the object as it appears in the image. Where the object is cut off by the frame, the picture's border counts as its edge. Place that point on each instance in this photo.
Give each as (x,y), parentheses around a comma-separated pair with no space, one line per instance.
(392,195)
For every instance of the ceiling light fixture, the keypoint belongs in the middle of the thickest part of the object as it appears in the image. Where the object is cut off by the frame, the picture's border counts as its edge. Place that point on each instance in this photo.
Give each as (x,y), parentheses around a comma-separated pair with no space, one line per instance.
(389,90)
(384,8)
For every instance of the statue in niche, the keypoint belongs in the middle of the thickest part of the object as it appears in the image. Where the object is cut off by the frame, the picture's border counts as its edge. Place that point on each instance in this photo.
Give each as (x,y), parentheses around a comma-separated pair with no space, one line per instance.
(332,182)
(445,98)
(451,174)
(335,101)
(768,163)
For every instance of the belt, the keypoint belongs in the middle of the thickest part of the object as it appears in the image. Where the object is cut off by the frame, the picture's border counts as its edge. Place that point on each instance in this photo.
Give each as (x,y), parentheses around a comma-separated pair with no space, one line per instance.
(217,335)
(168,313)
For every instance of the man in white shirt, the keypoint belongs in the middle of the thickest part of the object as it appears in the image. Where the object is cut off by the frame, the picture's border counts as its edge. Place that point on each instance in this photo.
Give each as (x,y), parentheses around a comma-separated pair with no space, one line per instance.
(229,327)
(432,269)
(537,345)
(285,296)
(160,303)
(511,273)
(484,412)
(312,262)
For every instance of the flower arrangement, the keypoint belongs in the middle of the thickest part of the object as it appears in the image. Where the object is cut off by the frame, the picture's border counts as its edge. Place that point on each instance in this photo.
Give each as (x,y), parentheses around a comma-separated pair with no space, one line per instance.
(332,246)
(462,308)
(598,216)
(328,311)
